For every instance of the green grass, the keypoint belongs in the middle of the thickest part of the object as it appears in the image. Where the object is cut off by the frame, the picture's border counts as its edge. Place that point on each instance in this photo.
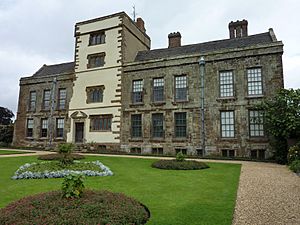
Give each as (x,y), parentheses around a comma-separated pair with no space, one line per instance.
(9,152)
(202,197)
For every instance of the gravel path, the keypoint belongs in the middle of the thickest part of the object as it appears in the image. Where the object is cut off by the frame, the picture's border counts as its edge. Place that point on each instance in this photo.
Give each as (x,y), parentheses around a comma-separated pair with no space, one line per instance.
(268,194)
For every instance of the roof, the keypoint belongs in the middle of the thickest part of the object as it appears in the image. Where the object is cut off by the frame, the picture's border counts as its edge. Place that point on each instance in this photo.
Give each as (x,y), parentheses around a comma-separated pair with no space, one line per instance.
(262,38)
(56,69)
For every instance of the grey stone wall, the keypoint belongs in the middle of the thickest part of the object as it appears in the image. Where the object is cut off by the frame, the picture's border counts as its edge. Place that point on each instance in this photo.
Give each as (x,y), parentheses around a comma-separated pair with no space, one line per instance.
(39,84)
(267,57)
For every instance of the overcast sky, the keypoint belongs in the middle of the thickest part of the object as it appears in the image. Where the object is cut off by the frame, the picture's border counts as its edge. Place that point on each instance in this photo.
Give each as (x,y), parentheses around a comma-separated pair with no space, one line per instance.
(37,32)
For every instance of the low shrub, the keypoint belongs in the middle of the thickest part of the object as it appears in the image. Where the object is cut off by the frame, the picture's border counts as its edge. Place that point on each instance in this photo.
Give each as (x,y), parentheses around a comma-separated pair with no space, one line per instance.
(94,207)
(179,165)
(65,150)
(72,186)
(295,166)
(294,153)
(60,156)
(179,156)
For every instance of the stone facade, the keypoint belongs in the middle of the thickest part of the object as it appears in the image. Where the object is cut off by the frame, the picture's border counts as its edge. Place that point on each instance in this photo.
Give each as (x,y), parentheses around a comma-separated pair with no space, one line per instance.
(244,55)
(38,83)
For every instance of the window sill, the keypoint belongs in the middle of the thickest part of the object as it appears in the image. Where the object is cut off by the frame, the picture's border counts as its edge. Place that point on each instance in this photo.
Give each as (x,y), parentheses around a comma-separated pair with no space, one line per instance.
(158,103)
(180,102)
(29,138)
(179,139)
(137,104)
(254,96)
(221,99)
(59,138)
(228,139)
(136,139)
(101,131)
(157,139)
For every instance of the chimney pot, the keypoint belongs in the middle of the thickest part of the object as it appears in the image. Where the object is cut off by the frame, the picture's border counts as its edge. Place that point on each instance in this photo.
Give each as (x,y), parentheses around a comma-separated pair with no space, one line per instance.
(140,24)
(238,29)
(174,39)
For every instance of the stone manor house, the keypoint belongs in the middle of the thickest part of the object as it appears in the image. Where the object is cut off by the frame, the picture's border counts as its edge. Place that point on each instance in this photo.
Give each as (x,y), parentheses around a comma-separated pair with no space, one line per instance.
(118,94)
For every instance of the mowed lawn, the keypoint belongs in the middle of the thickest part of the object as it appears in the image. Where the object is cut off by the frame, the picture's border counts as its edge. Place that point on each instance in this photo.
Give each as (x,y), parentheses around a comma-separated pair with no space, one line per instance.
(9,152)
(173,197)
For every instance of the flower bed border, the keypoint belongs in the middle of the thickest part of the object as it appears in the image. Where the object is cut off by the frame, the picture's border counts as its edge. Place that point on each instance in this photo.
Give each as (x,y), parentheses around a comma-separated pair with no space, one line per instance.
(19,174)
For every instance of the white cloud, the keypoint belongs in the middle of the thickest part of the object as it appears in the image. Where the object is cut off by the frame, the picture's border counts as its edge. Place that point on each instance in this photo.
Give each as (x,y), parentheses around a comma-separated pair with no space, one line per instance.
(35,32)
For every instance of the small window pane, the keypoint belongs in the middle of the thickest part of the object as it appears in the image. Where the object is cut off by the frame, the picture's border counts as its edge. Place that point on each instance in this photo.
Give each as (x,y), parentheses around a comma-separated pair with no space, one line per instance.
(226,84)
(256,123)
(136,125)
(158,125)
(60,123)
(158,89)
(254,79)
(32,101)
(101,123)
(227,124)
(46,100)
(180,88)
(137,91)
(180,125)
(62,95)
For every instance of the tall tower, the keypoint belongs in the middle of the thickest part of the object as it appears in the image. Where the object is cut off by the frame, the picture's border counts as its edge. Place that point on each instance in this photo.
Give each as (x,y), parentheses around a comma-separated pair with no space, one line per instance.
(102,46)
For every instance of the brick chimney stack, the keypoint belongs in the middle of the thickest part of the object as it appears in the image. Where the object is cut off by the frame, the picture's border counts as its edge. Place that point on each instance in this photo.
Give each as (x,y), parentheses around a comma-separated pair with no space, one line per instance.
(238,29)
(174,40)
(140,24)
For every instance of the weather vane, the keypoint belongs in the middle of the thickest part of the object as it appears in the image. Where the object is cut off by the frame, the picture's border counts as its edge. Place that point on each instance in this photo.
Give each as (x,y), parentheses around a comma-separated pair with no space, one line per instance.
(134,13)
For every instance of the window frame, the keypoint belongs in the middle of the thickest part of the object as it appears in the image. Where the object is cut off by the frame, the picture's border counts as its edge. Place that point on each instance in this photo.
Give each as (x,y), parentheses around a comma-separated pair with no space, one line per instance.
(59,131)
(177,89)
(137,91)
(44,127)
(136,126)
(46,100)
(97,38)
(92,60)
(223,87)
(90,94)
(157,131)
(103,123)
(179,128)
(261,125)
(29,130)
(252,89)
(32,101)
(227,124)
(157,150)
(61,103)
(158,89)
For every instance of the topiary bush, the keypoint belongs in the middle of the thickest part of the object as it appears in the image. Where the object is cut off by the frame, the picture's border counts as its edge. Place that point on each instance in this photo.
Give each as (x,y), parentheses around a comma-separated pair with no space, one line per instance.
(94,207)
(180,157)
(295,166)
(60,156)
(72,186)
(179,165)
(65,150)
(294,153)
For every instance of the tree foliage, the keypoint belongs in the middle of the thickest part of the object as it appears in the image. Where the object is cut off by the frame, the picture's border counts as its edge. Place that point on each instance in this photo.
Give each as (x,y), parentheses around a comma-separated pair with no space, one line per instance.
(282,120)
(6,126)
(6,116)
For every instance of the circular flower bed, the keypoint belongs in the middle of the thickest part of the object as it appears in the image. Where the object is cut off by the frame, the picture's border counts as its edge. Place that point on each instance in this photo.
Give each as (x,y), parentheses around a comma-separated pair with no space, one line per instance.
(179,165)
(94,207)
(60,156)
(56,170)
